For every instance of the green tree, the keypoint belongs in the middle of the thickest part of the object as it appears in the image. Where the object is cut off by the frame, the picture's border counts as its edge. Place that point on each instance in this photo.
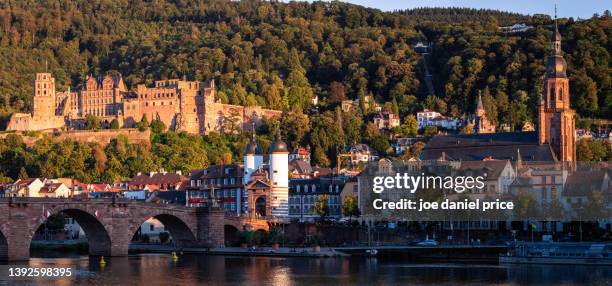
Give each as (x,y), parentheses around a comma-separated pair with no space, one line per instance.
(350,207)
(299,91)
(158,126)
(321,207)
(114,124)
(430,131)
(92,122)
(143,124)
(410,125)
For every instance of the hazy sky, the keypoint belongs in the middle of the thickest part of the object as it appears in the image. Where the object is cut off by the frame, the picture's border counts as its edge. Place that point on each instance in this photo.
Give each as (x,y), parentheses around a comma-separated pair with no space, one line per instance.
(565,8)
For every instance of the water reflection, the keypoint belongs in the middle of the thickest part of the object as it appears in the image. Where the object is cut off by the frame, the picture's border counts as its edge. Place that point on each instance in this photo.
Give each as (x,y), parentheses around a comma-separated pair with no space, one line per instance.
(159,269)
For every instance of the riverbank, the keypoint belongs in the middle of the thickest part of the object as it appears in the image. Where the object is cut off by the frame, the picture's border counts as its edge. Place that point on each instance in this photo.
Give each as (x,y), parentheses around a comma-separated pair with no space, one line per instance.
(239,251)
(78,246)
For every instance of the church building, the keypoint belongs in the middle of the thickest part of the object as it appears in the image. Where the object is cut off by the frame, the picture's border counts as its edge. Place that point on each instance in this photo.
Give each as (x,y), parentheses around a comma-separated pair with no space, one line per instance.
(553,139)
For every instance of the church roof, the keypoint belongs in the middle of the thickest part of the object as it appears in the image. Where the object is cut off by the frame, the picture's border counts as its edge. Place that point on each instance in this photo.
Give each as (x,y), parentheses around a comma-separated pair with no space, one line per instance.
(476,147)
(479,105)
(556,36)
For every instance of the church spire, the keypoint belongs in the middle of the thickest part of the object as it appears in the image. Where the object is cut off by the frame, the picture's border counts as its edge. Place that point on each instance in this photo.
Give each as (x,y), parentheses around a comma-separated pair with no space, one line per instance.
(556,118)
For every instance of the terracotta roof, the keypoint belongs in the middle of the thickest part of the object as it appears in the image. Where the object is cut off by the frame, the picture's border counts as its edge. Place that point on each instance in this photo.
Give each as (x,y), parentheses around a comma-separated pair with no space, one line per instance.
(219,171)
(24,182)
(157,179)
(50,188)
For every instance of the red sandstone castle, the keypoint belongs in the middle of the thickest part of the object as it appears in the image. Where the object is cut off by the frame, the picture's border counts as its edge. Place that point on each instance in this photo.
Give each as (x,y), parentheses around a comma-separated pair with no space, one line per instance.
(182,105)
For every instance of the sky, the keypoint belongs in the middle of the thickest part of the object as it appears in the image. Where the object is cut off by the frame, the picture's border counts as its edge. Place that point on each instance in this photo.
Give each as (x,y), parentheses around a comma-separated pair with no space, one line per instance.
(565,8)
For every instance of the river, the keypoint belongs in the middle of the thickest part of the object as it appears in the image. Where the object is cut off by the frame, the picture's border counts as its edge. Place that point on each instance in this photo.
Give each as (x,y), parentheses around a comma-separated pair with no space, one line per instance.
(160,269)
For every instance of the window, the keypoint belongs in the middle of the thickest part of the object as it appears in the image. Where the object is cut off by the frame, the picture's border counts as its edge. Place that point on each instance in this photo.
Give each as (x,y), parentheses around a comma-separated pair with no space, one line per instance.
(151,227)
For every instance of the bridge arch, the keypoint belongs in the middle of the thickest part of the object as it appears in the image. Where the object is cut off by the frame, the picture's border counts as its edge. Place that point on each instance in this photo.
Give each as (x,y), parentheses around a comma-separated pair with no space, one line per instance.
(180,231)
(97,235)
(3,247)
(231,234)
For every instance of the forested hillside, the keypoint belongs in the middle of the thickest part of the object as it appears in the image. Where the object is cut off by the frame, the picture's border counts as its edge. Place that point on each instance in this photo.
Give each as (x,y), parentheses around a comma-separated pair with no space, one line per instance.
(279,55)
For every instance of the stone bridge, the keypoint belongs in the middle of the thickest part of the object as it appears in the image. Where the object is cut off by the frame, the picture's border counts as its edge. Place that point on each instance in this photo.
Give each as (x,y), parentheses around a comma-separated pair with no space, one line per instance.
(110,224)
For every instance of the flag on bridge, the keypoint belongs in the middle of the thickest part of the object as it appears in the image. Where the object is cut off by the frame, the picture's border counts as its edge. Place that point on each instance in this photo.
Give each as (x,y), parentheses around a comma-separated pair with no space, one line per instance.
(45,214)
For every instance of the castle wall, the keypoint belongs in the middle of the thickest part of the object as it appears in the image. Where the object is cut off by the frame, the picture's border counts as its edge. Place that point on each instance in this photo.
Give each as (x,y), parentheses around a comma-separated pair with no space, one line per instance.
(25,122)
(217,115)
(181,105)
(102,137)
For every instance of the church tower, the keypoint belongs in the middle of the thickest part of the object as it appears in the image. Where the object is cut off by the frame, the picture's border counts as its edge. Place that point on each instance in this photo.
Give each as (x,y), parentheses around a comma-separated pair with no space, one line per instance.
(555,116)
(44,96)
(481,122)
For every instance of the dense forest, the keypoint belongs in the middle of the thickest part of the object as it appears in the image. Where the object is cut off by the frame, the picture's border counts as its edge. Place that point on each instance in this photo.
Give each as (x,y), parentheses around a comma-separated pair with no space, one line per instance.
(280,55)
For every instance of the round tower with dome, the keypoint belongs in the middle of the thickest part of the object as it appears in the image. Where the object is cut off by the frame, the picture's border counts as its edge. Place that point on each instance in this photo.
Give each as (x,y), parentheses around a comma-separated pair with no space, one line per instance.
(279,177)
(253,159)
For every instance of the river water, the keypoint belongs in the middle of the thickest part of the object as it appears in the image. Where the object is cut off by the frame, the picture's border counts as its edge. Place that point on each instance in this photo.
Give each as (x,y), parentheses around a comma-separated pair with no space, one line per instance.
(159,269)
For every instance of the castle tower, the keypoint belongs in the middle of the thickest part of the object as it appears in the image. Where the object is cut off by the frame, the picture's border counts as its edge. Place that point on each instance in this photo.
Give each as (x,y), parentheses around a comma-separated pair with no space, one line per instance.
(44,96)
(253,159)
(555,117)
(279,175)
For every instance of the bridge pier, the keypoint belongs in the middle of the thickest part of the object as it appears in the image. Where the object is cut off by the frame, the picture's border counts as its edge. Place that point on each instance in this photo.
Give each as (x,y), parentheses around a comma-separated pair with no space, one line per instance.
(210,227)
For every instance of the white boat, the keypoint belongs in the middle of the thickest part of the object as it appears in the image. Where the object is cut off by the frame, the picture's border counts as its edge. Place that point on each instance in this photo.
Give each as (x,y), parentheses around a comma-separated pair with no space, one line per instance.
(559,253)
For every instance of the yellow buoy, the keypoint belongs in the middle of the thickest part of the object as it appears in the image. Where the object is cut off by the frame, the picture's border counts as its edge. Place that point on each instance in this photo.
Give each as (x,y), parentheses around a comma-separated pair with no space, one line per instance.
(174,256)
(102,262)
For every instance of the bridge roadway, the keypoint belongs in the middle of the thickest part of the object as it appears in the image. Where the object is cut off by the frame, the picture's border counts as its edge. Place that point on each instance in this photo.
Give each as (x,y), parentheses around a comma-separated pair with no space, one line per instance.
(110,224)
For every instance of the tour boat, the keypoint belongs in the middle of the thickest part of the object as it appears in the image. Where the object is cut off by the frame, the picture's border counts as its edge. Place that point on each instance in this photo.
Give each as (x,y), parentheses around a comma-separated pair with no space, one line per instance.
(559,253)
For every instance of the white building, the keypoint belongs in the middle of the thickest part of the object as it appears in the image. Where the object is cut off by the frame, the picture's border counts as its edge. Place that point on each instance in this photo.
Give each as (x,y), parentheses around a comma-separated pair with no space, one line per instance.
(433,118)
(362,153)
(27,187)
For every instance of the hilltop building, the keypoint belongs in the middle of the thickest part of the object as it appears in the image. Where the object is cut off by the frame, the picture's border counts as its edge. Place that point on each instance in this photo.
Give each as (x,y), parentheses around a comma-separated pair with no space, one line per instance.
(552,141)
(433,118)
(386,120)
(182,105)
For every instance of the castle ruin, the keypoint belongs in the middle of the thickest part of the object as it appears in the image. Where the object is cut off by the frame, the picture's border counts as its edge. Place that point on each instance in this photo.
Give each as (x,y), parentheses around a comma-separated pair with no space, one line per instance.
(182,106)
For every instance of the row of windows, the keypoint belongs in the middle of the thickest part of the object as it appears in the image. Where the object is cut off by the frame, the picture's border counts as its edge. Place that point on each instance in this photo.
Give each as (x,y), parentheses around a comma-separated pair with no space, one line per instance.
(217,181)
(229,193)
(162,103)
(313,188)
(309,209)
(158,95)
(312,200)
